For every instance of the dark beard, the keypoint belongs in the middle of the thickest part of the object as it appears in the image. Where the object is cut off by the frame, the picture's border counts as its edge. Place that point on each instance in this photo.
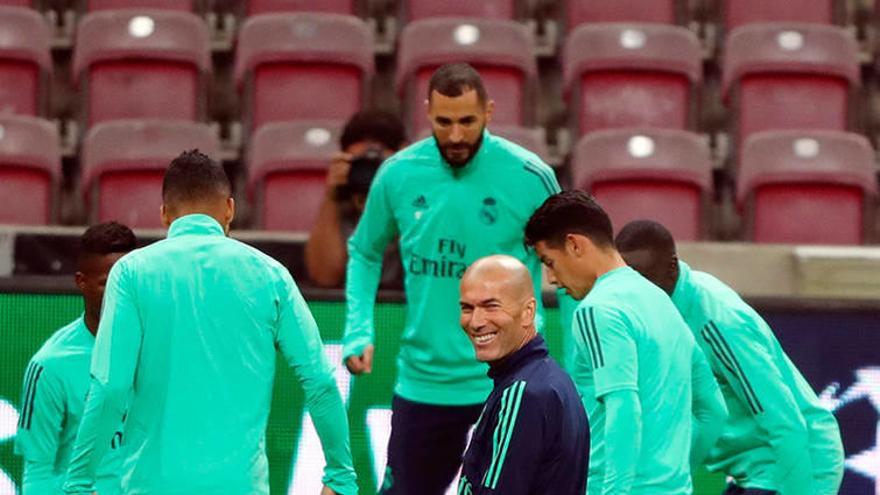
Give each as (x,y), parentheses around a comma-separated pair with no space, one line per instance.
(473,148)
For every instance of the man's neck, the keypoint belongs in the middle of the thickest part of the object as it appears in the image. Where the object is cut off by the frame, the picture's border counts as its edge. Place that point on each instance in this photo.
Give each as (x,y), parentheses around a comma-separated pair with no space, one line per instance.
(609,260)
(92,321)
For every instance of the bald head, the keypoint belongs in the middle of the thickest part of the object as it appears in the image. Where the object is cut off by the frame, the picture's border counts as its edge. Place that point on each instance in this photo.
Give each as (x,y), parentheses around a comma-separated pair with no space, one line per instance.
(497,306)
(506,272)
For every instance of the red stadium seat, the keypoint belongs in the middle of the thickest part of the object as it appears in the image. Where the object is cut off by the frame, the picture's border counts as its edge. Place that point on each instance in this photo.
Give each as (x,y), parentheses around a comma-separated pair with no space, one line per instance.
(774,75)
(142,64)
(30,170)
(657,174)
(579,12)
(178,5)
(288,166)
(807,187)
(123,163)
(487,9)
(345,7)
(624,75)
(503,52)
(741,12)
(17,3)
(303,66)
(24,60)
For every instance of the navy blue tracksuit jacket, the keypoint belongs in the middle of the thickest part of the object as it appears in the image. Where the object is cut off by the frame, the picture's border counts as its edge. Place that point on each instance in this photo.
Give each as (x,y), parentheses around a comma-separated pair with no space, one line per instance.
(533,436)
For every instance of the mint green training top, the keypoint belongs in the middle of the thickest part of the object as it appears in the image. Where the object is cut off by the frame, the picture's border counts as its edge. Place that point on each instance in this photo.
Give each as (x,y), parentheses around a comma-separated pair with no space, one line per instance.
(629,338)
(53,394)
(777,436)
(189,331)
(446,219)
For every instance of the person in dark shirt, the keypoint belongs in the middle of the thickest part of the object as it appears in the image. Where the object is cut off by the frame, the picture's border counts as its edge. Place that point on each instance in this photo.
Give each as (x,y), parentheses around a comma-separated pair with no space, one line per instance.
(532,436)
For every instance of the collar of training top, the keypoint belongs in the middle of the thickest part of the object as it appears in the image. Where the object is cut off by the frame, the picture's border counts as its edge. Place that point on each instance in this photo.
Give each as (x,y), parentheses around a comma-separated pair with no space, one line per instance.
(195,224)
(534,349)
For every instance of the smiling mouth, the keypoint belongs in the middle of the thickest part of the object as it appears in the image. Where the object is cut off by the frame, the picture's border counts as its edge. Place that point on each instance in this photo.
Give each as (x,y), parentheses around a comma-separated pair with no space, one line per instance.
(484,339)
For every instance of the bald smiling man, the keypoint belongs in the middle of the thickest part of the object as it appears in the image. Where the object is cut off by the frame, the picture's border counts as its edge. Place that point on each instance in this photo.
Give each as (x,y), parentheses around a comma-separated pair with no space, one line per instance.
(532,436)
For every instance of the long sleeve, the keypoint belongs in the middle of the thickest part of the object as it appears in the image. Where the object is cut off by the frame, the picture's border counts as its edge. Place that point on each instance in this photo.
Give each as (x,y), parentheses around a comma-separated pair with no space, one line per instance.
(39,429)
(745,355)
(366,248)
(114,362)
(709,409)
(623,441)
(519,437)
(300,343)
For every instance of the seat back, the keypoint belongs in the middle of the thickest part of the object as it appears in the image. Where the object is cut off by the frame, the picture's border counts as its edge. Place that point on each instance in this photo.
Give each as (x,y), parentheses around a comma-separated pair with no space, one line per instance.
(774,73)
(303,66)
(807,187)
(24,61)
(578,12)
(656,174)
(30,170)
(124,161)
(741,12)
(625,75)
(487,9)
(287,166)
(142,64)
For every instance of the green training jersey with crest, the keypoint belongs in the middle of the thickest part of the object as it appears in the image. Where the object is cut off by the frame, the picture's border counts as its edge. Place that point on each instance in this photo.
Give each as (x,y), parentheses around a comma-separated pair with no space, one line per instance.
(190,330)
(777,436)
(55,386)
(629,337)
(446,218)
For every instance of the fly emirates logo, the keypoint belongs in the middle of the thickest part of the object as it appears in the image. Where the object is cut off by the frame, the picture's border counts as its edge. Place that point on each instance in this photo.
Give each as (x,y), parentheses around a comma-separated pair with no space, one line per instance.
(447,261)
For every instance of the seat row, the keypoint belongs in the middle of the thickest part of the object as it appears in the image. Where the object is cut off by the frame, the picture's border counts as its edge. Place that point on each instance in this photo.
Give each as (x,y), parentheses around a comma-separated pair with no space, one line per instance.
(151,64)
(792,186)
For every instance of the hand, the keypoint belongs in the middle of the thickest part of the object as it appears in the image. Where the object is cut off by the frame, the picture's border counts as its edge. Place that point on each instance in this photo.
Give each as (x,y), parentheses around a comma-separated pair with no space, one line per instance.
(337,173)
(361,364)
(327,491)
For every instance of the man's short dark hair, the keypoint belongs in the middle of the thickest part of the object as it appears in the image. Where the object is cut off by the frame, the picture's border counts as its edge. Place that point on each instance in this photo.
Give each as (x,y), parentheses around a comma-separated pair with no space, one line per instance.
(569,212)
(193,177)
(645,234)
(453,80)
(383,127)
(106,238)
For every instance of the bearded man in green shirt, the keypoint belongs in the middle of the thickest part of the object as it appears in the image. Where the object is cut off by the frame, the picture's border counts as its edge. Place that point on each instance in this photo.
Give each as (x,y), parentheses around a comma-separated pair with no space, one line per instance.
(187,342)
(453,198)
(778,438)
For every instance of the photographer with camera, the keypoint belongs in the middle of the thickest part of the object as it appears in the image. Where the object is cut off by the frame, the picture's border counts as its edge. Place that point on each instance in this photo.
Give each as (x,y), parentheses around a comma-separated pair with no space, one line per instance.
(369,137)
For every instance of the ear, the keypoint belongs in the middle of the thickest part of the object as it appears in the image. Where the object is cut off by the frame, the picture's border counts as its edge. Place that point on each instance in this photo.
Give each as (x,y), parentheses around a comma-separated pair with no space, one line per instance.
(490,108)
(166,217)
(574,244)
(80,279)
(529,311)
(230,213)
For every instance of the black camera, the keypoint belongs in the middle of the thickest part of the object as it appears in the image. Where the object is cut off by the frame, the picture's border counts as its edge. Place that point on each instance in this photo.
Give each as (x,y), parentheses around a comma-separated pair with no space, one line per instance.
(360,175)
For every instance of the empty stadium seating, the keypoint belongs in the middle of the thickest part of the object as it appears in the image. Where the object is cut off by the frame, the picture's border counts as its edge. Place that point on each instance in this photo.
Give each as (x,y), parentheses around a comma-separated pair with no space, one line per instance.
(741,12)
(123,163)
(622,75)
(503,52)
(347,7)
(178,5)
(287,170)
(487,9)
(657,174)
(579,12)
(807,187)
(30,170)
(775,74)
(17,3)
(303,66)
(142,64)
(24,61)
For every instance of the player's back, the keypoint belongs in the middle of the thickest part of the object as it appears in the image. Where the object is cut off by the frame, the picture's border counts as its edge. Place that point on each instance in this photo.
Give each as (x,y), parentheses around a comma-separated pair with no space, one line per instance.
(208,307)
(664,347)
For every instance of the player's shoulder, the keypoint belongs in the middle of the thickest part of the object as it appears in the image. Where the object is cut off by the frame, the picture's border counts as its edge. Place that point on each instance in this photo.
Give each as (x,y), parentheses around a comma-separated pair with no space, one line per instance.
(722,305)
(515,151)
(65,342)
